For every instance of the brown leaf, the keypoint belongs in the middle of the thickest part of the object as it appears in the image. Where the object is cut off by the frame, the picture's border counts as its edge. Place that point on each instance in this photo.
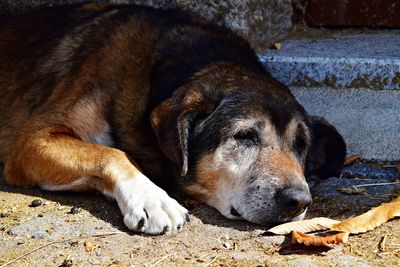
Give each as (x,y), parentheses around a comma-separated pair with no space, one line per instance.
(304,226)
(369,220)
(318,241)
(350,160)
(89,246)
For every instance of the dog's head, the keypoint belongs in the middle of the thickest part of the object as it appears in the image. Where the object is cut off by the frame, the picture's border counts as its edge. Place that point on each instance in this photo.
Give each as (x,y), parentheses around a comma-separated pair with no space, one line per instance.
(244,144)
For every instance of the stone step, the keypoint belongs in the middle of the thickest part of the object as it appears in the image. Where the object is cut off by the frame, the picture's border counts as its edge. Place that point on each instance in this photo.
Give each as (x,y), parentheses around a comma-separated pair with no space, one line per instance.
(369,120)
(351,80)
(350,61)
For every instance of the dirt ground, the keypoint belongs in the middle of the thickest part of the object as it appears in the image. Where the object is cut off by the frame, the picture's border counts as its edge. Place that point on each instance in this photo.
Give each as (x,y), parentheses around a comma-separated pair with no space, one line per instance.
(96,236)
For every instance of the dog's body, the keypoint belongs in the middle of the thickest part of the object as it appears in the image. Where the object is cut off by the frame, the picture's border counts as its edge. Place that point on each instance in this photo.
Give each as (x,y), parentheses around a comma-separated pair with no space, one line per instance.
(102,97)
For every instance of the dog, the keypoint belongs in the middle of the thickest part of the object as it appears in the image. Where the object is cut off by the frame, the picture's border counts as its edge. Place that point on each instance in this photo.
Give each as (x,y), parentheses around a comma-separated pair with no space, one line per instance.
(127,100)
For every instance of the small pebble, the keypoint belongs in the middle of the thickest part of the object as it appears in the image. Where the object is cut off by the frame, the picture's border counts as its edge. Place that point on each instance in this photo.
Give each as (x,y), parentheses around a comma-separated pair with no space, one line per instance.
(14,231)
(36,203)
(40,215)
(3,215)
(226,245)
(75,210)
(39,234)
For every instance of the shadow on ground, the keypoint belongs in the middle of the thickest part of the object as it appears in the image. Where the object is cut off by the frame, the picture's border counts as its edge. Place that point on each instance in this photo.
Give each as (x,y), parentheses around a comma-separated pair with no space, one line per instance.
(335,198)
(107,209)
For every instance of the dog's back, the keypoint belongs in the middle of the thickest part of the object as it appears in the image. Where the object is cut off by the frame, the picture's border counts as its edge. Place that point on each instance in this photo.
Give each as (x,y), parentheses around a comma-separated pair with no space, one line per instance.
(54,58)
(57,60)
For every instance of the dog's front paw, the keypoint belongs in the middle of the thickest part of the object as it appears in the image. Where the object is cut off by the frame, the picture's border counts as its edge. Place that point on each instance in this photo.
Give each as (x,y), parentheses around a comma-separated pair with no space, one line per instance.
(147,208)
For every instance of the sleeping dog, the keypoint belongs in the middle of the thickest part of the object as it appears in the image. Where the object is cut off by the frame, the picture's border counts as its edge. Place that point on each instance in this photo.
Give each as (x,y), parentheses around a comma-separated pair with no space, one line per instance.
(128,100)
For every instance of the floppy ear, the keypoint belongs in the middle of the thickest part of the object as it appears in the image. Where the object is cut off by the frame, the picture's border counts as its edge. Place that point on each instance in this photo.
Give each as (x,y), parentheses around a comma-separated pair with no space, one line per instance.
(172,120)
(326,156)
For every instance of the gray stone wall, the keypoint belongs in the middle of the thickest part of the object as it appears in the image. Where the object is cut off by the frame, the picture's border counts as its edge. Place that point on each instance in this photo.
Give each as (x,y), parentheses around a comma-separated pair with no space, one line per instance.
(260,21)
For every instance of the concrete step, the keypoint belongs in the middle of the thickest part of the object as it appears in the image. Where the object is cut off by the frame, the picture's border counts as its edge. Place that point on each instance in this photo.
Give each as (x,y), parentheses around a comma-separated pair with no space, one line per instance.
(353,81)
(350,61)
(369,120)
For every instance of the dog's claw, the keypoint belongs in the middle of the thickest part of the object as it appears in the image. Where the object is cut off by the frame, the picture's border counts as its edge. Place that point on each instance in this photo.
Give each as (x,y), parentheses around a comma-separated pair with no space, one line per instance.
(179,227)
(141,223)
(166,229)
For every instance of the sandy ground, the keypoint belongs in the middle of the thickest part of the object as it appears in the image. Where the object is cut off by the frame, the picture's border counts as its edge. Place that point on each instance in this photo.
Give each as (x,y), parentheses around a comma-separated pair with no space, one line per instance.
(96,236)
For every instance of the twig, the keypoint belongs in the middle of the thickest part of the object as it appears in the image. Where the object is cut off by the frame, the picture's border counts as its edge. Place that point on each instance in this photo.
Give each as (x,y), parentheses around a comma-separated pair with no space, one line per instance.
(389,166)
(362,179)
(161,260)
(377,184)
(36,249)
(102,235)
(214,259)
(55,242)
(382,244)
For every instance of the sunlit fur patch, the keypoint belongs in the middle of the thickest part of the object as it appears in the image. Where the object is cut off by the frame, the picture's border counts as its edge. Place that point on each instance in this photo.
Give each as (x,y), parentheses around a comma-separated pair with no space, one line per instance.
(285,166)
(216,183)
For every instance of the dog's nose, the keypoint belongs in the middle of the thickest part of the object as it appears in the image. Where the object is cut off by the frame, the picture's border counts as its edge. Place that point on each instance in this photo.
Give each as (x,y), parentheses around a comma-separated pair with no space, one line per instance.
(295,200)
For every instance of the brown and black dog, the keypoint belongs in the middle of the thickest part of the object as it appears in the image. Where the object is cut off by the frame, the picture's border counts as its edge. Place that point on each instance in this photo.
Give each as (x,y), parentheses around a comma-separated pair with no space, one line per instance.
(105,97)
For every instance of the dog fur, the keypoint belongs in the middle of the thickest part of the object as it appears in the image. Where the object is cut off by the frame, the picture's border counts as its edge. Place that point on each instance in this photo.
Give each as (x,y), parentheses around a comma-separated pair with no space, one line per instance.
(104,97)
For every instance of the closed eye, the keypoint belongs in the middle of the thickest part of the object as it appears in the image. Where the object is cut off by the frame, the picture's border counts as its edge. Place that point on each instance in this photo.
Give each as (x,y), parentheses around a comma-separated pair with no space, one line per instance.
(247,137)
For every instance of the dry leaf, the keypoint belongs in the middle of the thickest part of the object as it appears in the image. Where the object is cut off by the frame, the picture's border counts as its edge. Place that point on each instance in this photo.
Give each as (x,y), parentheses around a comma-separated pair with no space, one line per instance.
(318,241)
(350,160)
(89,246)
(304,226)
(275,46)
(369,220)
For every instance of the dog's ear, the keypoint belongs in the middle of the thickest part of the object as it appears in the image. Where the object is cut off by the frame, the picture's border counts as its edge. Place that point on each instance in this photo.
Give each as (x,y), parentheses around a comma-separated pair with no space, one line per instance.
(327,153)
(172,120)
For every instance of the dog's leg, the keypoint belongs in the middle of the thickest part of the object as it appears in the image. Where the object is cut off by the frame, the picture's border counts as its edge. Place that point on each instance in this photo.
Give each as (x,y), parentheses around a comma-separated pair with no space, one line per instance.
(54,159)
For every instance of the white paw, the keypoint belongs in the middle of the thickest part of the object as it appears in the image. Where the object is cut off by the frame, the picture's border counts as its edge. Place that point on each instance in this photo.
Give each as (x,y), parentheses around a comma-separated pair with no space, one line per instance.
(147,208)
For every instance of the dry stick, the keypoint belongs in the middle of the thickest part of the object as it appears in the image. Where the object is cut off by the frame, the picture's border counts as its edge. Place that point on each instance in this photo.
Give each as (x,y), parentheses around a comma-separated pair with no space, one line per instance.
(36,249)
(382,244)
(55,242)
(208,264)
(160,260)
(389,166)
(366,185)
